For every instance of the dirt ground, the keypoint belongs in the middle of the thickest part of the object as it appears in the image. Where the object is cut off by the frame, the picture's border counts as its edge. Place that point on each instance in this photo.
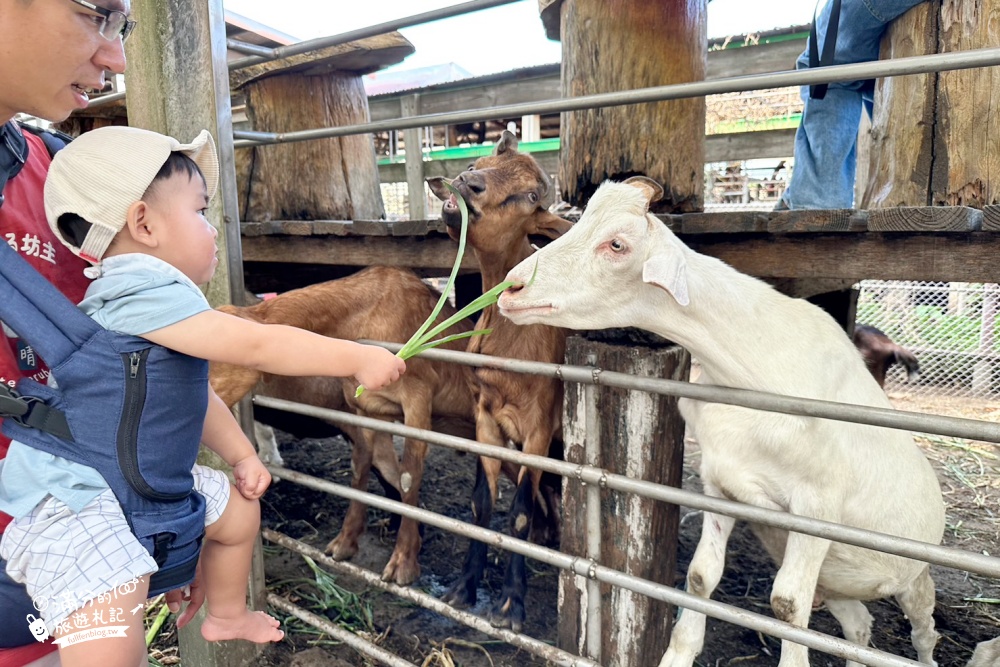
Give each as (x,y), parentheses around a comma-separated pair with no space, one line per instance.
(968,607)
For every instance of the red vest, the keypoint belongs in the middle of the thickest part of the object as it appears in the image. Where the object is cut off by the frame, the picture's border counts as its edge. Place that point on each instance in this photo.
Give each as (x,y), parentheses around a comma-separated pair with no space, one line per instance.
(24,228)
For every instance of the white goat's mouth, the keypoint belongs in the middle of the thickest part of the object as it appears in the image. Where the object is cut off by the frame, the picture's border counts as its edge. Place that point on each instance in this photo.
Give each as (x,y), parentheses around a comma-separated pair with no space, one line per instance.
(517,311)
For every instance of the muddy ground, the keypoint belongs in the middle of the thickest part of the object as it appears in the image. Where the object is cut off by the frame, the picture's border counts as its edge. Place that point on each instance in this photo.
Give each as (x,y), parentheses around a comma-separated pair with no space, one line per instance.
(968,607)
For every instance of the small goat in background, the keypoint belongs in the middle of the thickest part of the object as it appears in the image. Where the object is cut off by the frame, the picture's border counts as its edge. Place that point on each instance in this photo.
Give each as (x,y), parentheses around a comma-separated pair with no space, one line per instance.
(880,352)
(378,303)
(620,266)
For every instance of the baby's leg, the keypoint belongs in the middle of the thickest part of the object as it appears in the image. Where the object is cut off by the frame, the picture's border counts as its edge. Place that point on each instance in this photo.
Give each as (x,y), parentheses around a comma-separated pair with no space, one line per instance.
(225,568)
(120,617)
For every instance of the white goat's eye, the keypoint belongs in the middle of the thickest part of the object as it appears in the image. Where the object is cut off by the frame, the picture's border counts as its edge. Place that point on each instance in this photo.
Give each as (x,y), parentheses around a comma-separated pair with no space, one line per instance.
(616,245)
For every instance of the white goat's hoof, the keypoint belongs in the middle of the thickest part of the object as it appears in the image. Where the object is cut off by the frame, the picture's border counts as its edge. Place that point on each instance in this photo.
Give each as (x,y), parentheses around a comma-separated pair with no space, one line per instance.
(675,658)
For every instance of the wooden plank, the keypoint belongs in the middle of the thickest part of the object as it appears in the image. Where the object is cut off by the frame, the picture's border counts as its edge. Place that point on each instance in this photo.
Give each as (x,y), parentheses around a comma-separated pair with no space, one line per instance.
(991,218)
(925,219)
(759,59)
(418,227)
(370,228)
(426,253)
(843,220)
(968,257)
(724,223)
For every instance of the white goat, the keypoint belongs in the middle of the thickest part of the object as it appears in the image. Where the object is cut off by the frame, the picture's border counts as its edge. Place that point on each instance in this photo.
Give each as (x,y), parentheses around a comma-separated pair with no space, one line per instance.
(620,266)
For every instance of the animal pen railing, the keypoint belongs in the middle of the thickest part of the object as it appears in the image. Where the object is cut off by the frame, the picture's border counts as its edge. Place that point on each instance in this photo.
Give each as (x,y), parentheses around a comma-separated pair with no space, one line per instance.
(587,565)
(595,479)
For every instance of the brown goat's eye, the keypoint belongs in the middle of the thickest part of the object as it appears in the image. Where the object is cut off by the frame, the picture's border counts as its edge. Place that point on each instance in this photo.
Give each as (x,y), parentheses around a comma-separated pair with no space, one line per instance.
(616,245)
(533,197)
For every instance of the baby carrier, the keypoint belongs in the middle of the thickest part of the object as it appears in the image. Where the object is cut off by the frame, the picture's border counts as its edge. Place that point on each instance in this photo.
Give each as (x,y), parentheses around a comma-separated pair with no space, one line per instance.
(132,410)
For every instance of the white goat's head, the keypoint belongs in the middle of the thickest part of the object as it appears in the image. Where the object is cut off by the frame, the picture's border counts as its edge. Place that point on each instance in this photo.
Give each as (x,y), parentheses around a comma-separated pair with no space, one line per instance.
(606,270)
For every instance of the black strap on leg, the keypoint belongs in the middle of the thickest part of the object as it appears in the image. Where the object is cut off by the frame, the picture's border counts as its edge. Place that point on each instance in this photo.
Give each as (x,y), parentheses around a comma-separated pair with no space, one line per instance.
(818,91)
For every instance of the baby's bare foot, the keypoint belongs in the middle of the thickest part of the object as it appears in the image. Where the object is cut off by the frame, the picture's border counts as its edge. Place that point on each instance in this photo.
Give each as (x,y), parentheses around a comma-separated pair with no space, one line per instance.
(253,626)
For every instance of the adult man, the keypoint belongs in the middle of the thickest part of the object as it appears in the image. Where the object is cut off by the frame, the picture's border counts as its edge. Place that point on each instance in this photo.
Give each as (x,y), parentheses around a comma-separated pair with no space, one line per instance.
(826,141)
(53,53)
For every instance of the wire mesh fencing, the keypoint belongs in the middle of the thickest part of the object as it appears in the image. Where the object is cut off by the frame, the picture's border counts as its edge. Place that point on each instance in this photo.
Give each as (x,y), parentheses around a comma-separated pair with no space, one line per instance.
(952,329)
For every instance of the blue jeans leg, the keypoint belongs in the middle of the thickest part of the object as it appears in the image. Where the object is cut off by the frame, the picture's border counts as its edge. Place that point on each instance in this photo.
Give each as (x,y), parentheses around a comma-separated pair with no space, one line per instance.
(826,140)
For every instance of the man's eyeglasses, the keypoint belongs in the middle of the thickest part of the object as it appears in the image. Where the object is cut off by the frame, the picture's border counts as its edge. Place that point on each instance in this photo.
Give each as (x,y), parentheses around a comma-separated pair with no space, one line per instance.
(114,24)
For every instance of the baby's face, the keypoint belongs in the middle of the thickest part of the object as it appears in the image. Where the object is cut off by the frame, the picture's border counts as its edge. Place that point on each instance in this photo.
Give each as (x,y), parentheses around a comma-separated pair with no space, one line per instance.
(186,239)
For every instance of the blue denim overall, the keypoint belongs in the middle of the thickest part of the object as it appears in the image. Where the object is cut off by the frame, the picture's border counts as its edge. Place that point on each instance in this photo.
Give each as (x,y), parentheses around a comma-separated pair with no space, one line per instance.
(131,410)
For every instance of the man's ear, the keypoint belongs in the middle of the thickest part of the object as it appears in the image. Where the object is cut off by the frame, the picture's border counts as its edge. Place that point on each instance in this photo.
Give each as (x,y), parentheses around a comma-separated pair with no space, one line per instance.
(139,224)
(668,270)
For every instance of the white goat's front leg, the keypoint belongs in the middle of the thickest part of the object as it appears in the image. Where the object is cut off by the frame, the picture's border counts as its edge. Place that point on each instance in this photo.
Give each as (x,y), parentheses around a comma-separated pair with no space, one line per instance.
(794,589)
(855,621)
(267,445)
(704,573)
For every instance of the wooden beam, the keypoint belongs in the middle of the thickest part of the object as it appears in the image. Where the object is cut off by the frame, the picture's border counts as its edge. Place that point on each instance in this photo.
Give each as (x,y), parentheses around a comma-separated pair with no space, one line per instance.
(414,160)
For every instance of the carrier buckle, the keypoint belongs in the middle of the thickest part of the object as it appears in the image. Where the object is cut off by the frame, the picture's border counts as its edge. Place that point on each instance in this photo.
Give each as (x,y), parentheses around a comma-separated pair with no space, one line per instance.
(12,404)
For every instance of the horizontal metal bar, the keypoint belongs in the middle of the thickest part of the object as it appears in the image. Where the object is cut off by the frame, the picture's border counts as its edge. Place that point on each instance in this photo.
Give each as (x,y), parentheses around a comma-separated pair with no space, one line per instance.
(105,99)
(973,429)
(370,31)
(247,47)
(587,568)
(898,546)
(937,62)
(362,646)
(538,648)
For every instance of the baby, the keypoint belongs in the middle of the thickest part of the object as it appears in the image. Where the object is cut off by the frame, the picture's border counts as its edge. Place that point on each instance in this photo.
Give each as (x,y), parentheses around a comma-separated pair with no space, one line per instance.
(133,202)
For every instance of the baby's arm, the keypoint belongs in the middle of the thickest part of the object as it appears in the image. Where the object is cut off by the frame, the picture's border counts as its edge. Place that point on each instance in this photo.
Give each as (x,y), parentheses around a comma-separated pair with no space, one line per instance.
(278,349)
(223,435)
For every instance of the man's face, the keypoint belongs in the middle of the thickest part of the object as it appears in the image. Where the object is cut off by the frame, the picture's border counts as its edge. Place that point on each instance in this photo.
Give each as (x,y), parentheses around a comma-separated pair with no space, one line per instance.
(52,56)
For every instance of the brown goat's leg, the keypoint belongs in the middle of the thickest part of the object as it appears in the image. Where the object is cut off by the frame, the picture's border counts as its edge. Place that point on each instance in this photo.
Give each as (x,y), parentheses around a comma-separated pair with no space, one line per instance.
(403,566)
(345,544)
(463,592)
(509,610)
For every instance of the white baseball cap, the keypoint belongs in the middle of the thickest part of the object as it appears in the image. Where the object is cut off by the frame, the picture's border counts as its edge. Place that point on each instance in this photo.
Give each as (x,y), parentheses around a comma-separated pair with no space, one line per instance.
(101,173)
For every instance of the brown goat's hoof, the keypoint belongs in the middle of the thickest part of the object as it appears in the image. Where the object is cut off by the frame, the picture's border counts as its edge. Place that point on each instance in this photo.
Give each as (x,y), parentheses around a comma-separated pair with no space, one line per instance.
(342,548)
(508,614)
(401,570)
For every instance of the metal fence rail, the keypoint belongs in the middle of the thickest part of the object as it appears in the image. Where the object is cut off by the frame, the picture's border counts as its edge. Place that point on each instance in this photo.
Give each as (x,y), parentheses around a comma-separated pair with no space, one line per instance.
(587,568)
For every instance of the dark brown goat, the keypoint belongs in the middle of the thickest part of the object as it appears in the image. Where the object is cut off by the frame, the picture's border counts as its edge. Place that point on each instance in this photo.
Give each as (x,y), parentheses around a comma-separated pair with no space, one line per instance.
(378,303)
(880,352)
(504,193)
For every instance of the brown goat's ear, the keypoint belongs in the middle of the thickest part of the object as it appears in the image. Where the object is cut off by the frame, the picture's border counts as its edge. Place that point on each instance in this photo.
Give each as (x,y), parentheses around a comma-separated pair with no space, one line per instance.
(436,184)
(652,189)
(508,142)
(550,225)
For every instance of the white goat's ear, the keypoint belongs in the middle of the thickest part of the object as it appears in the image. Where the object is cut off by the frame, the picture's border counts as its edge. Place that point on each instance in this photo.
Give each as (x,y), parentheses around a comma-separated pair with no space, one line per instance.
(669,272)
(649,187)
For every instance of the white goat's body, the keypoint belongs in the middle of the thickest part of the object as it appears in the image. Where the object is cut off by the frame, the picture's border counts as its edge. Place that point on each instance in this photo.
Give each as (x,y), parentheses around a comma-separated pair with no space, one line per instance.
(747,335)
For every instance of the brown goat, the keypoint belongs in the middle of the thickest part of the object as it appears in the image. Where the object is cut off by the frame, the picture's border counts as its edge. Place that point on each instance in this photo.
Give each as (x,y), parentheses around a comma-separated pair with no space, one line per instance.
(880,352)
(504,193)
(378,303)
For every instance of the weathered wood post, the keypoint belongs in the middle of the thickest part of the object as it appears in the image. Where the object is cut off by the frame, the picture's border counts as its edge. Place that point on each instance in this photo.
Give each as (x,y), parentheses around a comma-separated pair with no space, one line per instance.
(930,142)
(323,179)
(178,84)
(641,435)
(616,45)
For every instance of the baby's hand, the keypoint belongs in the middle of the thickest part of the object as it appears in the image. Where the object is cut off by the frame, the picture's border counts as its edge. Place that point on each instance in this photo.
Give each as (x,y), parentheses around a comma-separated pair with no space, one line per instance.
(379,367)
(252,478)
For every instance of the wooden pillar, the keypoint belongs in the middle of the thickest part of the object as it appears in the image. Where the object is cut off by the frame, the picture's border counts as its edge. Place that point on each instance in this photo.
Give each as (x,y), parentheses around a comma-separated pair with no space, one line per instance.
(410,106)
(177,84)
(641,435)
(322,179)
(930,139)
(618,45)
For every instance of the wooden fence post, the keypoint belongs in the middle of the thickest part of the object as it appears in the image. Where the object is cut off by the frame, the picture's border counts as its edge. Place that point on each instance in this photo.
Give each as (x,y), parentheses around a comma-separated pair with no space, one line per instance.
(641,435)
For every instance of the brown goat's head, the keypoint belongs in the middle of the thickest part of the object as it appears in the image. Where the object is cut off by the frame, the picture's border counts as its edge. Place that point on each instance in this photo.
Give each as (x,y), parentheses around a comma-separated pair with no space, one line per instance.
(506,193)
